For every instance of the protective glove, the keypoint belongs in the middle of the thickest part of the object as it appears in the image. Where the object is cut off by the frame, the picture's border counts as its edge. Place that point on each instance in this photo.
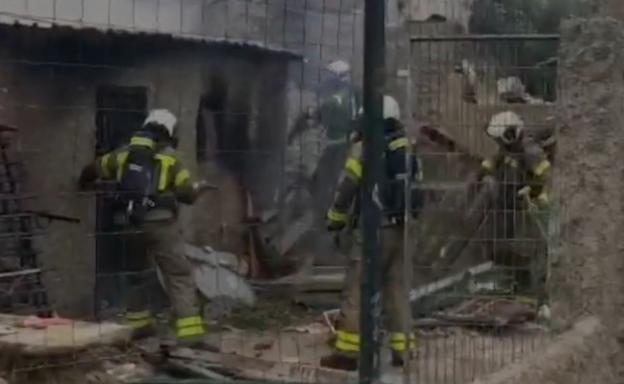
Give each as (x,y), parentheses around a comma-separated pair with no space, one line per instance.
(203,185)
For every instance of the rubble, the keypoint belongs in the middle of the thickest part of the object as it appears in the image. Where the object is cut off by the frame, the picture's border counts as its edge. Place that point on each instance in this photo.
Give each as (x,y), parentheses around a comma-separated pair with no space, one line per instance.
(128,372)
(214,277)
(237,366)
(488,312)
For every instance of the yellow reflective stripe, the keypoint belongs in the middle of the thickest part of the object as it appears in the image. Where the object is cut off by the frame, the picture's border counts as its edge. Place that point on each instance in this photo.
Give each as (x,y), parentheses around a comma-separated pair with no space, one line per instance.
(542,168)
(139,319)
(347,341)
(400,336)
(189,326)
(353,338)
(337,216)
(166,162)
(140,323)
(138,315)
(188,321)
(354,166)
(182,176)
(104,166)
(142,141)
(398,143)
(398,341)
(121,163)
(346,347)
(197,330)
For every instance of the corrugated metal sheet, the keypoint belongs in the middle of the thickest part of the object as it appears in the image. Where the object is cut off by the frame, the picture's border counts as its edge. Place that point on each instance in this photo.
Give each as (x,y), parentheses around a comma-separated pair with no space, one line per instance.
(183,19)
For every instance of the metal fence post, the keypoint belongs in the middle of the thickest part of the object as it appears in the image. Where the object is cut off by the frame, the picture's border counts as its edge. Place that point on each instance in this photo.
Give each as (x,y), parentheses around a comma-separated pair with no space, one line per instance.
(374,79)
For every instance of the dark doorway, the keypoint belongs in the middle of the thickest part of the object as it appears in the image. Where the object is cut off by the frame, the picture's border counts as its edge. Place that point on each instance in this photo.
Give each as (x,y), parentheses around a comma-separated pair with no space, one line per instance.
(120,111)
(211,119)
(223,128)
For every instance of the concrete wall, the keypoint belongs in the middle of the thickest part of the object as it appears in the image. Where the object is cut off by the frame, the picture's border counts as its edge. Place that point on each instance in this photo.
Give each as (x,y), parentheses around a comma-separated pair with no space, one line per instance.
(590,113)
(49,82)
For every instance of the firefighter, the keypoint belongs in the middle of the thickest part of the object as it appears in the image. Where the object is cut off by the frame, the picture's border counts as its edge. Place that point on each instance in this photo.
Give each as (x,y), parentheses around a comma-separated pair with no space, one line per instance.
(151,181)
(336,113)
(343,215)
(521,169)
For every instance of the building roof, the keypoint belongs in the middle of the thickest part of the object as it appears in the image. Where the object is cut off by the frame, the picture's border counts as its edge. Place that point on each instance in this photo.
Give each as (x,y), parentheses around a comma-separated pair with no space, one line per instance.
(197,20)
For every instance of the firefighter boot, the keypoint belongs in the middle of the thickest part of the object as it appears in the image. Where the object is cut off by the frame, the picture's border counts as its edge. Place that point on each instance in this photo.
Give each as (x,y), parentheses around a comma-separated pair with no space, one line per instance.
(142,323)
(340,361)
(190,333)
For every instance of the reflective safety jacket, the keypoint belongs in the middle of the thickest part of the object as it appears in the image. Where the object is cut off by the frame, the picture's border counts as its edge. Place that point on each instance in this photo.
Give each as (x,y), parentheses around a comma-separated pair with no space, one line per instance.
(522,169)
(338,111)
(344,209)
(174,183)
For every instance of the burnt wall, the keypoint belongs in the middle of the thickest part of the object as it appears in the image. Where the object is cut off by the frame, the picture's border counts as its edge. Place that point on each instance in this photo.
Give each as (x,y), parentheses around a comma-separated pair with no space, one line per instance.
(50,80)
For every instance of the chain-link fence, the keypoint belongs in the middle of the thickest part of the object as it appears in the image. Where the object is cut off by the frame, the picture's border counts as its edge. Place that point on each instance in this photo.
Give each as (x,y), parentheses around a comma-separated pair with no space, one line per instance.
(266,94)
(484,82)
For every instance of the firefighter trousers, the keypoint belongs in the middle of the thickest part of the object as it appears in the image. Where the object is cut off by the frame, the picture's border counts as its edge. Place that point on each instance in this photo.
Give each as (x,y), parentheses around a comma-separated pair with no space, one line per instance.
(395,310)
(165,246)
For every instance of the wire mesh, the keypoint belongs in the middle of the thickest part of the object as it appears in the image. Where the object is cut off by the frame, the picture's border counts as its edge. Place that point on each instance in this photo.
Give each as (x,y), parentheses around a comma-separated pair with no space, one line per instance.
(78,78)
(249,84)
(481,257)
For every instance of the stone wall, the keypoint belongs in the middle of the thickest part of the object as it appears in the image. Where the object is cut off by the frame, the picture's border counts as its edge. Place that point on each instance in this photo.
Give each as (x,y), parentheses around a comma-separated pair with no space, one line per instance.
(588,266)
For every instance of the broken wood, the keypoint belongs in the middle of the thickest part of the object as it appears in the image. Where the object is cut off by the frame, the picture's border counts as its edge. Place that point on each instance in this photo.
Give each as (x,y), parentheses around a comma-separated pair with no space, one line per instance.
(250,368)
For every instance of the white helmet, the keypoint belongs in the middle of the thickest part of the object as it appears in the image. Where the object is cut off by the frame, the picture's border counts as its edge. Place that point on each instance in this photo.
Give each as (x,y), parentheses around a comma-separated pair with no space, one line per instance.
(505,126)
(164,118)
(339,67)
(391,109)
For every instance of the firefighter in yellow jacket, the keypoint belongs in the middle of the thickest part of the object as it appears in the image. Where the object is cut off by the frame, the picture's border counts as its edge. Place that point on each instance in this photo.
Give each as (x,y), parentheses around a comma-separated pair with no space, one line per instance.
(521,168)
(343,215)
(151,181)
